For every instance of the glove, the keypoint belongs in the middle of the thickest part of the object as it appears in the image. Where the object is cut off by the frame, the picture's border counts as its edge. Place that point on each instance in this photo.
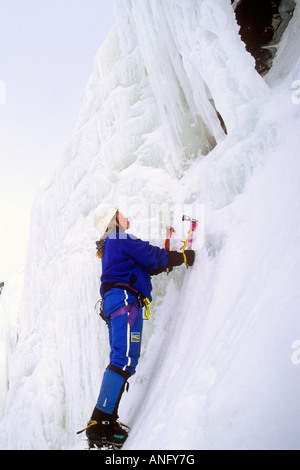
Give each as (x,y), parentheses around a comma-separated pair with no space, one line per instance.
(155,272)
(190,257)
(176,258)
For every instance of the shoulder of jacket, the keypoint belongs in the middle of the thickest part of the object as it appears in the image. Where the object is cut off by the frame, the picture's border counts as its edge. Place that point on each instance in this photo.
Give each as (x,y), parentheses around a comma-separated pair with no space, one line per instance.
(123,236)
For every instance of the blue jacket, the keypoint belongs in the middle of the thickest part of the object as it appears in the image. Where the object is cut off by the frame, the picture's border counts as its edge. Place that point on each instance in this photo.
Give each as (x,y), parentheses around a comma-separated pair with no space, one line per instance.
(131,260)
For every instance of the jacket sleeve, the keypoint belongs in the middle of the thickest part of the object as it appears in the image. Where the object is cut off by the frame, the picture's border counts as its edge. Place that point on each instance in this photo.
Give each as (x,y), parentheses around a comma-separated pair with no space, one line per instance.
(176,258)
(150,256)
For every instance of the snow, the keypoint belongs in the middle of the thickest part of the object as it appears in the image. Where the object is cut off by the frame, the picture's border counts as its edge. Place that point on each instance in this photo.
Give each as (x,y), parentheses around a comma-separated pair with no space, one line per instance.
(219,367)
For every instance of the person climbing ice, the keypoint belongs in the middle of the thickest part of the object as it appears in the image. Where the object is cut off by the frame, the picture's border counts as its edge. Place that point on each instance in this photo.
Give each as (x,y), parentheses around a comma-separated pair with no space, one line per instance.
(1,287)
(127,266)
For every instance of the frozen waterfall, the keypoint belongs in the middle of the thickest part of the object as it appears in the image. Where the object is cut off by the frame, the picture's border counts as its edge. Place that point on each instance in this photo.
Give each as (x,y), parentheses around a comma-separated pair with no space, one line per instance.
(216,369)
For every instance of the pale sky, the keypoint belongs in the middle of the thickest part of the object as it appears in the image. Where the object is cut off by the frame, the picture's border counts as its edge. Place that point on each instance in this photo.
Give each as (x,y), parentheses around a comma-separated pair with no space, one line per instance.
(47,49)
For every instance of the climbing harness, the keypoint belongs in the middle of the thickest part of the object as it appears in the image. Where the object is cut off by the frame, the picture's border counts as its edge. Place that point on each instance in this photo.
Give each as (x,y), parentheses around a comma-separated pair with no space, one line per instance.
(101,313)
(141,300)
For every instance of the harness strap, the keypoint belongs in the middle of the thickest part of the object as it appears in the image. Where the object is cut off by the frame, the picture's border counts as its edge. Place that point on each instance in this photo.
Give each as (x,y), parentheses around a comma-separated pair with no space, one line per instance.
(142,301)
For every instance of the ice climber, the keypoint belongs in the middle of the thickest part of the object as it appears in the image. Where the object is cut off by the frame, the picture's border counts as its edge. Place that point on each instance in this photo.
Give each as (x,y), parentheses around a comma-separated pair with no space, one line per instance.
(127,266)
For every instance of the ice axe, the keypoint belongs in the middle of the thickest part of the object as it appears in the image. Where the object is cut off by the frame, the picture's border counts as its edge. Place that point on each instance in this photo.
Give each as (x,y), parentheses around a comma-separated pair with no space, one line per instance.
(170,230)
(193,225)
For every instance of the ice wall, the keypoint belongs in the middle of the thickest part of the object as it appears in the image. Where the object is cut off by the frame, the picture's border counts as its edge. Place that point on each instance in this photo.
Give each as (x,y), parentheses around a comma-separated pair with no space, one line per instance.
(148,132)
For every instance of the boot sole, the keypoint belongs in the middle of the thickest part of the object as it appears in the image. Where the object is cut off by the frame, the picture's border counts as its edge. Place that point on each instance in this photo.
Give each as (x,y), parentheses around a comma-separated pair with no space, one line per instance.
(99,445)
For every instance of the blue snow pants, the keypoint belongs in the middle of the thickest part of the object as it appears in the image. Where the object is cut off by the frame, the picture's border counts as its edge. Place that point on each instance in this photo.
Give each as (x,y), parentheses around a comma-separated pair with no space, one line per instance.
(125,336)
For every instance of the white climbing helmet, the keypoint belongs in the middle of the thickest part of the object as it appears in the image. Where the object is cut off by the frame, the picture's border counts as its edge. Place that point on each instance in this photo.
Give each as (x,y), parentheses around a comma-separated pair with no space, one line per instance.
(104,214)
